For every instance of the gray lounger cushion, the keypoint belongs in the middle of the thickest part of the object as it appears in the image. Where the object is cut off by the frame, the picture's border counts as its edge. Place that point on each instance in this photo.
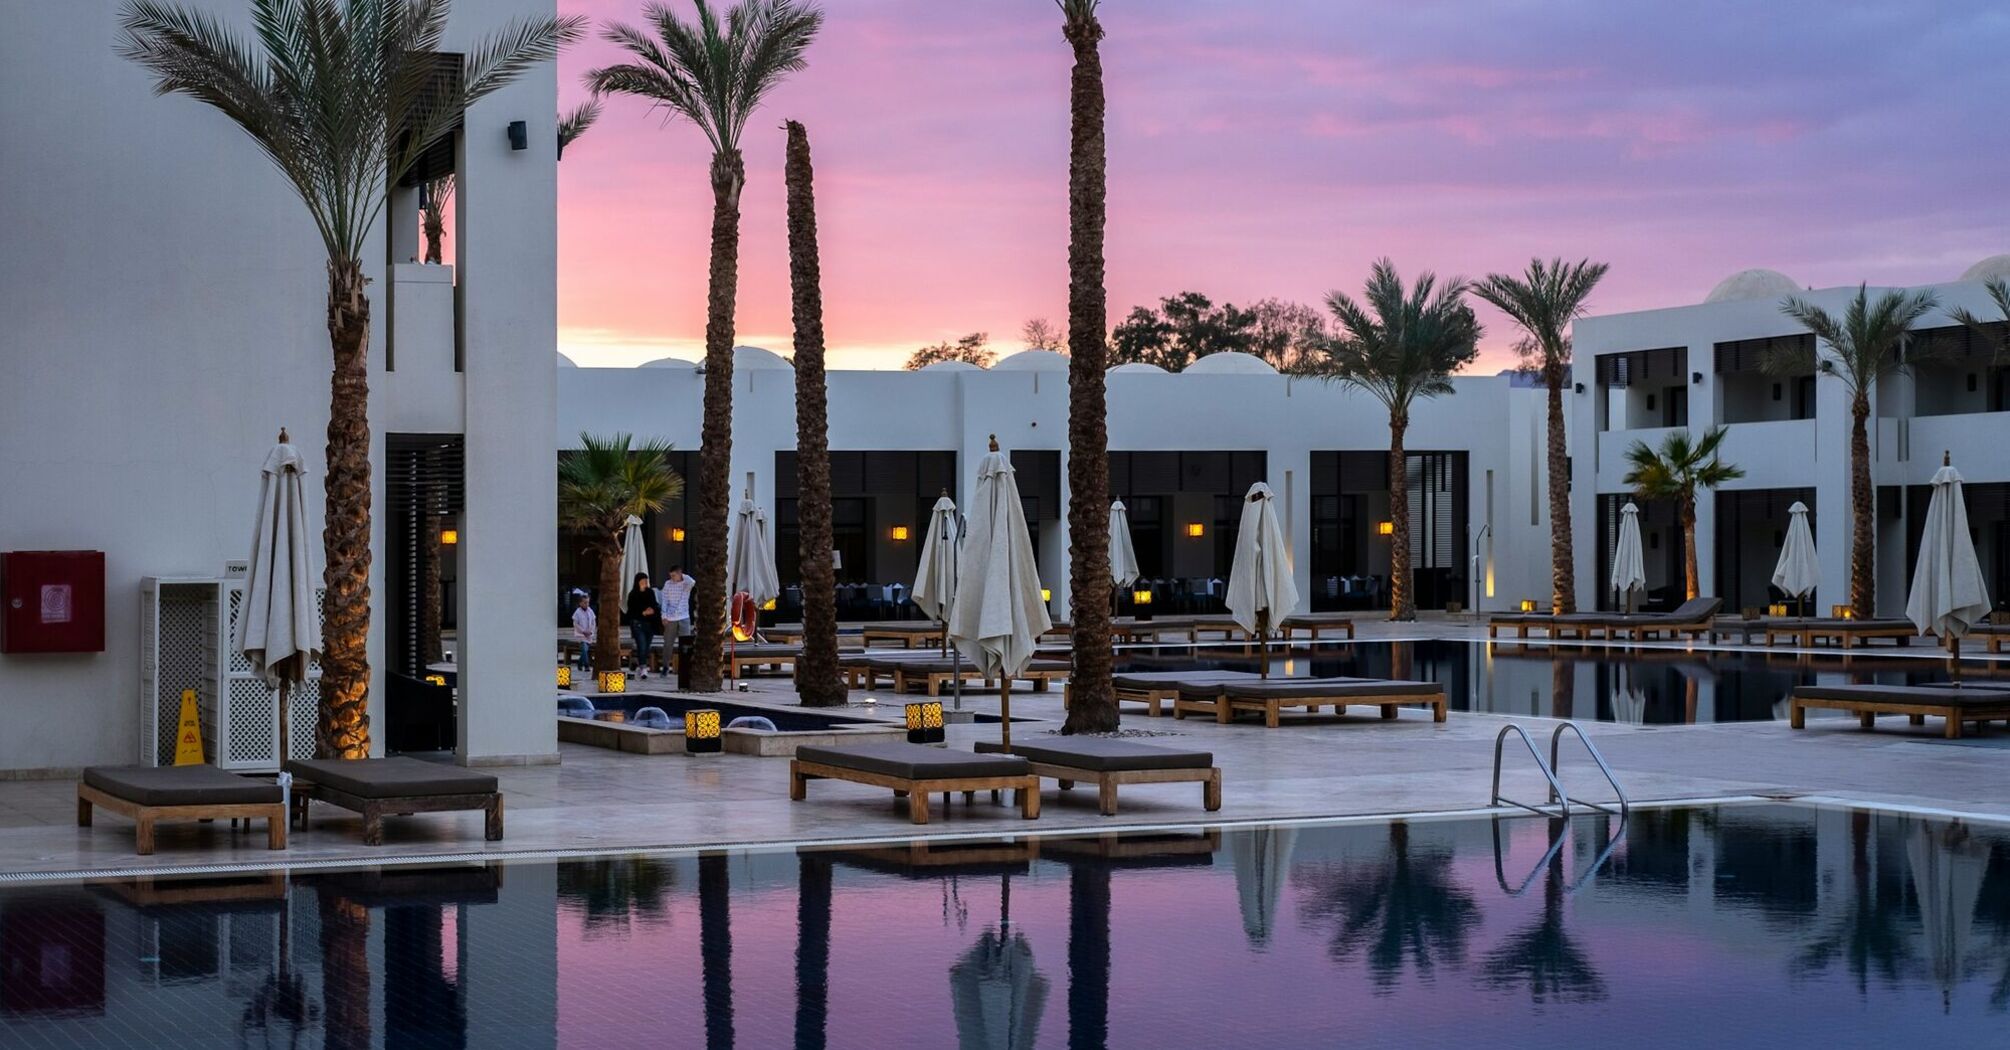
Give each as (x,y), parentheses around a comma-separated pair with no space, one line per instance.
(746,651)
(1830,623)
(396,777)
(935,664)
(907,761)
(1162,679)
(1310,688)
(180,786)
(1963,696)
(1105,755)
(1322,619)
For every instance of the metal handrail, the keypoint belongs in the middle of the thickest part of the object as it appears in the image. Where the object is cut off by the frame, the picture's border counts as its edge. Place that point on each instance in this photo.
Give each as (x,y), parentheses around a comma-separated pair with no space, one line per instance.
(1556,840)
(1557,797)
(1555,746)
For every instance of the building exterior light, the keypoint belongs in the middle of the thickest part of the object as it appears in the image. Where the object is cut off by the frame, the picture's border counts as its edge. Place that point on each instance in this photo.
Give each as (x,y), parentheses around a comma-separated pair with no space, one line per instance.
(1528,605)
(1385,528)
(436,679)
(897,534)
(449,537)
(677,534)
(1195,529)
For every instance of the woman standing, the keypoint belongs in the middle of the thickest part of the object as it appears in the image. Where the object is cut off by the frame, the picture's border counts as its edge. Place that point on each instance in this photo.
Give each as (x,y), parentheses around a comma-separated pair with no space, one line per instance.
(645,621)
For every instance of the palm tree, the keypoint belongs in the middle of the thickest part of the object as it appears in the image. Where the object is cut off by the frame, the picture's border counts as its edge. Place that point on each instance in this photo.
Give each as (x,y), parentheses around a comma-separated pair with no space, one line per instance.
(1407,909)
(1400,346)
(1543,302)
(1093,708)
(574,124)
(343,99)
(818,682)
(714,74)
(1677,471)
(434,198)
(1864,347)
(599,488)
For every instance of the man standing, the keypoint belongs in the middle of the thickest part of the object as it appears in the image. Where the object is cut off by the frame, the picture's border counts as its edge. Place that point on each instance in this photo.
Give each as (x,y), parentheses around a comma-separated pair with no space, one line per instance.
(675,598)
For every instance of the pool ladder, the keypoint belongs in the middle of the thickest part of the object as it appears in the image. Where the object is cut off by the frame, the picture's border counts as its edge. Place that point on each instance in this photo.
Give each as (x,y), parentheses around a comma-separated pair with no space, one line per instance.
(1559,800)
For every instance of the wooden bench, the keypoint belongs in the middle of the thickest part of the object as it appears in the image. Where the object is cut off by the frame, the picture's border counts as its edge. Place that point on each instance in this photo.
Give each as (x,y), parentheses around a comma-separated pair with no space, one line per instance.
(1157,689)
(377,787)
(1314,623)
(915,771)
(1268,697)
(863,669)
(756,655)
(1954,704)
(148,794)
(1108,763)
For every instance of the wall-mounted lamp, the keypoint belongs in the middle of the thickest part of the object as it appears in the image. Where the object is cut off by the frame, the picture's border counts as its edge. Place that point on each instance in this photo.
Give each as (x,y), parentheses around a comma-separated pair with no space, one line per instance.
(1578,387)
(897,534)
(1195,529)
(449,537)
(677,534)
(519,135)
(1385,528)
(1695,378)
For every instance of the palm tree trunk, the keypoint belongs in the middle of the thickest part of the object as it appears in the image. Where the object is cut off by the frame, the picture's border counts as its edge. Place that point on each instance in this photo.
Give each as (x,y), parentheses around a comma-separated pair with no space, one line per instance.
(1862,505)
(435,229)
(345,970)
(1686,514)
(343,730)
(813,950)
(1562,570)
(431,612)
(818,682)
(1093,703)
(715,451)
(607,624)
(1402,606)
(1562,689)
(715,949)
(1089,956)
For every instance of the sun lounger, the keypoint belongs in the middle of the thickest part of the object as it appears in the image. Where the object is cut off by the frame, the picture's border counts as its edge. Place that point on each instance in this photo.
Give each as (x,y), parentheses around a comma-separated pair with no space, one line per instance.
(375,787)
(1955,704)
(1693,617)
(864,668)
(1520,621)
(1844,633)
(1225,700)
(932,674)
(148,794)
(915,771)
(910,636)
(1993,636)
(756,655)
(1108,762)
(1313,624)
(1157,688)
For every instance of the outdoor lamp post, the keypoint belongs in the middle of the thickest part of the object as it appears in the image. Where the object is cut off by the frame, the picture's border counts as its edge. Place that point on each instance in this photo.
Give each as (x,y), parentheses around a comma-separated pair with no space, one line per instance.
(703,734)
(924,722)
(611,681)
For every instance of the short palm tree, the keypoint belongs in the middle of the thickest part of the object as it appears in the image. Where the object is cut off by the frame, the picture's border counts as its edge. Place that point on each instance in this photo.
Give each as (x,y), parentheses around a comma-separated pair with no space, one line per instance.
(343,99)
(713,73)
(1677,471)
(1544,301)
(1865,345)
(599,487)
(1400,345)
(1094,705)
(818,682)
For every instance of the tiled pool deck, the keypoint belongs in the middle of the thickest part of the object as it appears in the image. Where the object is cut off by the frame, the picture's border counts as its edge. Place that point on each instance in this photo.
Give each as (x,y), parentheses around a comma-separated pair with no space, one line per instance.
(602,801)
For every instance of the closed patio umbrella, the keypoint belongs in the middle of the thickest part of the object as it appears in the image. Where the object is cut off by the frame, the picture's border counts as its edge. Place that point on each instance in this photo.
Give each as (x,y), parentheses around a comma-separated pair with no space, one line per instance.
(997,994)
(1947,872)
(1629,564)
(1948,595)
(1260,588)
(1123,556)
(1261,856)
(634,554)
(1797,571)
(935,578)
(278,626)
(997,615)
(750,564)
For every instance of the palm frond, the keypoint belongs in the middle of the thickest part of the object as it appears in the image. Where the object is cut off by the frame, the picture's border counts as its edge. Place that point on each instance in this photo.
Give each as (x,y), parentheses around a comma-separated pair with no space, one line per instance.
(1543,302)
(1400,343)
(609,478)
(574,124)
(1866,340)
(1995,333)
(712,73)
(1680,467)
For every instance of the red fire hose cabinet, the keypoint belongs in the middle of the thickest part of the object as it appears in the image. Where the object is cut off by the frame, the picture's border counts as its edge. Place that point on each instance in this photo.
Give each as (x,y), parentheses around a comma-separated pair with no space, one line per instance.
(52,602)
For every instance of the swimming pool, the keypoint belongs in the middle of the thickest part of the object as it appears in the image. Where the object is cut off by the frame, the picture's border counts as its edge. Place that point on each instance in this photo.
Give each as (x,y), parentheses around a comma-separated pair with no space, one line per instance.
(1737,926)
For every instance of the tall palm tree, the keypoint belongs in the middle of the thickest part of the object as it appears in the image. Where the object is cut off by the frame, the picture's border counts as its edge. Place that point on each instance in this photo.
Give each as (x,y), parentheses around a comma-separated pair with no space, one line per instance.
(1407,910)
(713,74)
(343,99)
(818,682)
(1677,471)
(1400,345)
(1543,302)
(1093,708)
(599,487)
(1864,347)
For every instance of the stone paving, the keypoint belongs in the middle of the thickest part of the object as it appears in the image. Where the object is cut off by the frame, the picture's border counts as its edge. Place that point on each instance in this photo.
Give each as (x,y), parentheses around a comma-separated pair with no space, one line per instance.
(598,800)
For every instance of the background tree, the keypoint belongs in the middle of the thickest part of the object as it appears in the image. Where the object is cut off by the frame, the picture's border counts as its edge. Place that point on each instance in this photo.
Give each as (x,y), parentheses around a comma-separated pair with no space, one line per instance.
(1094,705)
(599,486)
(1677,471)
(970,349)
(1288,335)
(715,75)
(1399,346)
(1864,345)
(818,683)
(1184,328)
(1040,334)
(1544,302)
(343,100)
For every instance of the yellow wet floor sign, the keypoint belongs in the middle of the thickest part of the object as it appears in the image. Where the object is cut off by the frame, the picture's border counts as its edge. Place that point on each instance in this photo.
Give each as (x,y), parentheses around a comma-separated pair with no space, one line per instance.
(188,738)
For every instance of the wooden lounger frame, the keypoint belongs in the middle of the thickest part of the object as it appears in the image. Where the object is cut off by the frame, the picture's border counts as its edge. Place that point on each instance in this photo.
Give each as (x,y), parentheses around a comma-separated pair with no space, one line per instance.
(1915,709)
(916,791)
(1313,628)
(144,817)
(932,682)
(770,661)
(375,809)
(1225,707)
(908,639)
(1844,635)
(1107,781)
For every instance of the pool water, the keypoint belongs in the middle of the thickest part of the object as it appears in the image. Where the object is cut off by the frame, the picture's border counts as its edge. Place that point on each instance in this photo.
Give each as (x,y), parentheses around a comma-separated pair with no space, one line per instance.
(1765,926)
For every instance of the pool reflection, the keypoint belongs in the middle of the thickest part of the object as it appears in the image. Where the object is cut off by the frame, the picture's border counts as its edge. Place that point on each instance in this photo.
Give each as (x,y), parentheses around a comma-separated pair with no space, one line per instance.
(1772,925)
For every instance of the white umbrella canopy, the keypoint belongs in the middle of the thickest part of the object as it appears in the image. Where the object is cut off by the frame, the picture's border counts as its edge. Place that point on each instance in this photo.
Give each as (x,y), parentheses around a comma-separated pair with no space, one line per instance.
(1261,591)
(997,616)
(1261,857)
(1948,595)
(935,578)
(1629,563)
(1123,555)
(750,563)
(997,994)
(1797,572)
(278,629)
(634,554)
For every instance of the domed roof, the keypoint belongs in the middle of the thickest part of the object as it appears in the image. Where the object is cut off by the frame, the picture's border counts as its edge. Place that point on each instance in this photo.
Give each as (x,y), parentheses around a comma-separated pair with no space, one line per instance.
(1138,368)
(950,366)
(669,362)
(566,362)
(1746,285)
(1997,266)
(1230,362)
(1033,361)
(746,357)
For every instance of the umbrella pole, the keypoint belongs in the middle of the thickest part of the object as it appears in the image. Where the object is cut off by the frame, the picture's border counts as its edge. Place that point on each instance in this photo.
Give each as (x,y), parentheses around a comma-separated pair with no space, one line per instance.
(1954,659)
(1263,643)
(1005,709)
(285,685)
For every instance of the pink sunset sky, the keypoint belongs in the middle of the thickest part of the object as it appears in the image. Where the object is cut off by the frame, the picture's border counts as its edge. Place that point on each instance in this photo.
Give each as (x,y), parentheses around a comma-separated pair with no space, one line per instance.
(1278,148)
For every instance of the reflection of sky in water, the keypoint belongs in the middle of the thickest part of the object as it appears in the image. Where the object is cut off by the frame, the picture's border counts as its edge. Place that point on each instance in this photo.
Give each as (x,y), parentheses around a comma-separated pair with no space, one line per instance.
(1765,926)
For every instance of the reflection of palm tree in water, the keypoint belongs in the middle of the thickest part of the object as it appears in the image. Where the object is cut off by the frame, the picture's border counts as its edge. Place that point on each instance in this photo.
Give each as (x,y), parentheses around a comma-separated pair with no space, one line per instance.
(813,950)
(1543,956)
(715,949)
(1869,937)
(1088,957)
(618,892)
(1562,688)
(1405,910)
(282,1000)
(345,971)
